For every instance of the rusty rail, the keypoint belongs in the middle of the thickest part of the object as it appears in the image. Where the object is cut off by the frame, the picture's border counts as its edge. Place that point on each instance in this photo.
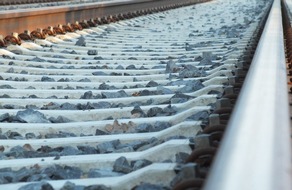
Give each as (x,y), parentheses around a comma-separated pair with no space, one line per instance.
(20,20)
(15,2)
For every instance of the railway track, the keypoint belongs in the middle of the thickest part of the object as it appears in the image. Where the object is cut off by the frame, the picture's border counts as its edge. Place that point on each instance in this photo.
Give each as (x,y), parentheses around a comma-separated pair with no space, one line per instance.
(140,100)
(15,2)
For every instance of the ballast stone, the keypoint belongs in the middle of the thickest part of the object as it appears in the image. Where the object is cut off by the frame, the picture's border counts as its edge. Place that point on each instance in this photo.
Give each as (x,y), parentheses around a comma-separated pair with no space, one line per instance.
(31,116)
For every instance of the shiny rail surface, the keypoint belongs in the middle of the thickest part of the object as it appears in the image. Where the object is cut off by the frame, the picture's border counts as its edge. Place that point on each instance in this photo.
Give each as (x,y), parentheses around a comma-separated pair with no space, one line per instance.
(256,150)
(141,100)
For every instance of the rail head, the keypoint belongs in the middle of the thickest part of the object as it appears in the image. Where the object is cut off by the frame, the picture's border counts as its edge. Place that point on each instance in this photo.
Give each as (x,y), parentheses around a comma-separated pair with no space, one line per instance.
(255,152)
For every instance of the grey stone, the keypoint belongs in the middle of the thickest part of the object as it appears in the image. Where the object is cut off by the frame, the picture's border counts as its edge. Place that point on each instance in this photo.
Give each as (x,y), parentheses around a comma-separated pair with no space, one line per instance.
(144,128)
(100,132)
(12,134)
(122,165)
(163,90)
(233,33)
(30,136)
(108,147)
(136,144)
(125,149)
(87,95)
(11,106)
(170,67)
(201,115)
(180,98)
(119,94)
(57,157)
(138,86)
(154,111)
(99,73)
(7,169)
(50,97)
(87,149)
(104,86)
(84,80)
(68,186)
(101,105)
(131,67)
(215,92)
(96,187)
(63,80)
(44,149)
(4,117)
(190,71)
(37,59)
(91,52)
(81,41)
(160,125)
(31,107)
(59,119)
(30,87)
(61,134)
(31,116)
(67,134)
(147,146)
(69,150)
(191,86)
(50,136)
(86,106)
(98,58)
(59,56)
(138,111)
(6,86)
(93,173)
(37,186)
(38,177)
(47,79)
(146,93)
(205,62)
(179,95)
(140,164)
(120,67)
(152,84)
(66,172)
(68,106)
(23,174)
(118,74)
(3,136)
(51,106)
(132,58)
(169,110)
(7,177)
(136,103)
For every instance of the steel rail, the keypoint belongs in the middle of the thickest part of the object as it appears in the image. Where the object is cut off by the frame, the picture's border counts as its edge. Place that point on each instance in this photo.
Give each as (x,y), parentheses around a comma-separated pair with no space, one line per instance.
(255,152)
(31,19)
(15,2)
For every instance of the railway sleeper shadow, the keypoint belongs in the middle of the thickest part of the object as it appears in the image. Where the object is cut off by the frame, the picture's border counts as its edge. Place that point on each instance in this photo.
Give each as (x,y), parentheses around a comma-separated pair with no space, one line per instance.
(193,173)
